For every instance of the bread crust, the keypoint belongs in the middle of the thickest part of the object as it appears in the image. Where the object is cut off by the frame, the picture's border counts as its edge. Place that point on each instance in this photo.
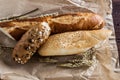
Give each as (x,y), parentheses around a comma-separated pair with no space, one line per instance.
(30,42)
(19,26)
(70,43)
(58,24)
(77,21)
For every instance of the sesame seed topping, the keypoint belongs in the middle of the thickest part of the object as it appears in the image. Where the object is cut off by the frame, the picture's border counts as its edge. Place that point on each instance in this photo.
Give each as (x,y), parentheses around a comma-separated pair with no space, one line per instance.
(16,59)
(41,40)
(40,33)
(22,62)
(36,29)
(28,57)
(19,59)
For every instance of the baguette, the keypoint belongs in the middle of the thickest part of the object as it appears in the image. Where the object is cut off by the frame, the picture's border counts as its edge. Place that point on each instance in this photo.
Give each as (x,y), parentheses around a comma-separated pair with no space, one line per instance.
(19,26)
(69,43)
(58,24)
(74,22)
(30,42)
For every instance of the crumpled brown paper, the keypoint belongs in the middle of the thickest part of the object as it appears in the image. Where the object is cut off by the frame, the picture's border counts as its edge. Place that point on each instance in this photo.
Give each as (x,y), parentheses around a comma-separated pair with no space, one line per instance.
(102,68)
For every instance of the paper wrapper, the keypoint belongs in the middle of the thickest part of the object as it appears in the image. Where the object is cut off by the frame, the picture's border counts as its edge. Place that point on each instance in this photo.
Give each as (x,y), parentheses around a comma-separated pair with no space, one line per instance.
(103,66)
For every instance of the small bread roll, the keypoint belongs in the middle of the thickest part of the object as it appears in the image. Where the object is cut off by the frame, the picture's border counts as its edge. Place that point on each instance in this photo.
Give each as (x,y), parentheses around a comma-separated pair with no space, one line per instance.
(72,42)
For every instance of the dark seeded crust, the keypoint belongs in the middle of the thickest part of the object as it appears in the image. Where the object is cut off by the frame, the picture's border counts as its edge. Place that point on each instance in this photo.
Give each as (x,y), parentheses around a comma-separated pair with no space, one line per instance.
(30,42)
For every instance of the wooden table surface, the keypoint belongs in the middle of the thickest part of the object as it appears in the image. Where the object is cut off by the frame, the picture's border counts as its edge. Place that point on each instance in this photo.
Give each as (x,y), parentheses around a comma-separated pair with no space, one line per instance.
(116,19)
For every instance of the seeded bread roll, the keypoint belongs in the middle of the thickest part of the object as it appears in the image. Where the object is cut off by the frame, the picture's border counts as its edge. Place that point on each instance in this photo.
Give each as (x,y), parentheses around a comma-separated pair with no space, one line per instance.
(30,42)
(58,24)
(70,43)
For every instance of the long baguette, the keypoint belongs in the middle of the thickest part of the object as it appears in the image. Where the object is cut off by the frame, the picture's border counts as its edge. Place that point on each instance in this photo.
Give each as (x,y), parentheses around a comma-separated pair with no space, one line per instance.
(58,24)
(74,22)
(19,26)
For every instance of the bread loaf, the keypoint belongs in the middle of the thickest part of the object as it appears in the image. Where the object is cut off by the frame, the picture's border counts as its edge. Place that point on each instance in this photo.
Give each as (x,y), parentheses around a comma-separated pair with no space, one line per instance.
(18,27)
(69,43)
(30,42)
(74,22)
(58,24)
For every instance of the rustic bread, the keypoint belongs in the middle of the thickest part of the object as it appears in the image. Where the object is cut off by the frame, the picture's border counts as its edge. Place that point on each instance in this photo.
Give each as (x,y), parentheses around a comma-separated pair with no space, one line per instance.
(30,42)
(77,21)
(58,24)
(69,43)
(18,27)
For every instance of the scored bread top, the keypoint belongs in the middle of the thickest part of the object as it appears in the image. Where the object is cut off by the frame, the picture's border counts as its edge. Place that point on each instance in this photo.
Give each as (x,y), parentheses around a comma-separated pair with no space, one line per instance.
(58,24)
(76,21)
(18,27)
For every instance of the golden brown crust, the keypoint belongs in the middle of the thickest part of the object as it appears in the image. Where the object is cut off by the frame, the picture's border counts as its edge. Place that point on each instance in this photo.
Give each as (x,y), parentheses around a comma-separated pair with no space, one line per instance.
(69,43)
(30,42)
(18,27)
(78,21)
(58,24)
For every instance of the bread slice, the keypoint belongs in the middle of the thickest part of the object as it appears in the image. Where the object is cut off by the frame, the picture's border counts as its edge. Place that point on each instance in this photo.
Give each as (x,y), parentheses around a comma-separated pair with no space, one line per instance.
(69,43)
(30,42)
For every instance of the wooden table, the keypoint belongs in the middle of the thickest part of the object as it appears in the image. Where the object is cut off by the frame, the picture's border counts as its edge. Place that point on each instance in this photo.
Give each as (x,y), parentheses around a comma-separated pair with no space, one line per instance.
(116,19)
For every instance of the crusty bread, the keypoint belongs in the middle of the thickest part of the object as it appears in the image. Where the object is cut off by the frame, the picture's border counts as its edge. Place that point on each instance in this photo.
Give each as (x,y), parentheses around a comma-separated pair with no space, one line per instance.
(18,27)
(77,21)
(58,24)
(69,43)
(30,42)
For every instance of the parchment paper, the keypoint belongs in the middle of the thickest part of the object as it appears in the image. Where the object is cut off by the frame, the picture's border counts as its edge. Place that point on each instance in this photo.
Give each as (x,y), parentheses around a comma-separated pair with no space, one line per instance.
(103,66)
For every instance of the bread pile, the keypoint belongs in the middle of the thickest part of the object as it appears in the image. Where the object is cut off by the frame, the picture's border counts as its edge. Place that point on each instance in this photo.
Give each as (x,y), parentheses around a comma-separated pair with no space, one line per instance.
(62,35)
